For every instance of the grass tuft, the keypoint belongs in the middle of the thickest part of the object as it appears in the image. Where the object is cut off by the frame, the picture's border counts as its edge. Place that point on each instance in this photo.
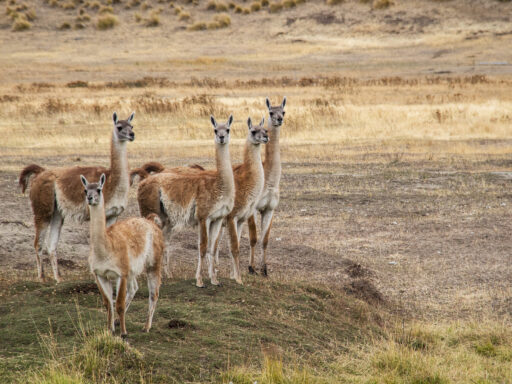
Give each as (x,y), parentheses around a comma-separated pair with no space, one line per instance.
(382,4)
(107,21)
(289,3)
(64,26)
(184,16)
(105,9)
(220,21)
(256,6)
(153,20)
(21,24)
(198,26)
(275,6)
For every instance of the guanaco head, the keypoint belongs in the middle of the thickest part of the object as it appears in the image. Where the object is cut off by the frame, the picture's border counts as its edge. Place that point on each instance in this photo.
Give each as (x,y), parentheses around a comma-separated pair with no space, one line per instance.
(93,190)
(221,130)
(276,113)
(257,133)
(123,129)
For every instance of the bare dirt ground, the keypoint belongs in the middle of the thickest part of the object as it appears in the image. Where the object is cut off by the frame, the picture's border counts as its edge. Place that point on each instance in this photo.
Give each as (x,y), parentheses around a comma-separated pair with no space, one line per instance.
(432,238)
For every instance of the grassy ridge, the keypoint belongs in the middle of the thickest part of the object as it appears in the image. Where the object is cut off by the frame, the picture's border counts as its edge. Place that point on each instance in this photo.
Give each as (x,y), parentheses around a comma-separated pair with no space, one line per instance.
(264,331)
(197,334)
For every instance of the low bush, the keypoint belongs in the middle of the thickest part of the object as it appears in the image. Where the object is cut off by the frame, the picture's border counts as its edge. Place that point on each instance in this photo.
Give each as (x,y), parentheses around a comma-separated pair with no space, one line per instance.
(107,21)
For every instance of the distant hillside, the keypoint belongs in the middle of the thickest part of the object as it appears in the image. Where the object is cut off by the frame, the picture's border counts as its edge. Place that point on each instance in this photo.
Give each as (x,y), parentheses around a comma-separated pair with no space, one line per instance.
(392,16)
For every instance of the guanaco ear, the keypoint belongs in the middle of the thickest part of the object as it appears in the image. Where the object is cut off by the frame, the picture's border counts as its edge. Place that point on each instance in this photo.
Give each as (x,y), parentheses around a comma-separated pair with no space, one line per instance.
(284,102)
(267,101)
(214,122)
(84,180)
(131,117)
(262,123)
(230,120)
(114,117)
(102,180)
(249,123)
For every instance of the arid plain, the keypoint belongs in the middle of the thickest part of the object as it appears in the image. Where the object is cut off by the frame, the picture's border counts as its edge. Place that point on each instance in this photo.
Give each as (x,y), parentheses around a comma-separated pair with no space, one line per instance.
(395,197)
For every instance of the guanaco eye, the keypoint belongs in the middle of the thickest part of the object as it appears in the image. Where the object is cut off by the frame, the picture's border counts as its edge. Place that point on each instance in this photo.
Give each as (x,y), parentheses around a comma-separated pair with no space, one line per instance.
(119,128)
(215,131)
(98,190)
(227,131)
(85,191)
(271,113)
(284,113)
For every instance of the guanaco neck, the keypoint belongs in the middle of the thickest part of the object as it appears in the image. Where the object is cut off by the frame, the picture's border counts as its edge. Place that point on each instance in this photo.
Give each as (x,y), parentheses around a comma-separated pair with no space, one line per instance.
(225,178)
(252,160)
(118,164)
(98,230)
(272,165)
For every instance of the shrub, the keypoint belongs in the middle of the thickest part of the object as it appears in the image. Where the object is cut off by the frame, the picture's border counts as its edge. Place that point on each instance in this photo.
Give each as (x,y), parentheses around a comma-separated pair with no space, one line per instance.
(153,20)
(217,6)
(382,4)
(199,26)
(184,16)
(275,7)
(65,25)
(231,5)
(30,15)
(138,18)
(79,25)
(264,3)
(145,5)
(134,3)
(220,21)
(21,24)
(336,2)
(107,21)
(106,9)
(53,3)
(83,17)
(221,7)
(289,3)
(68,5)
(95,5)
(255,6)
(238,9)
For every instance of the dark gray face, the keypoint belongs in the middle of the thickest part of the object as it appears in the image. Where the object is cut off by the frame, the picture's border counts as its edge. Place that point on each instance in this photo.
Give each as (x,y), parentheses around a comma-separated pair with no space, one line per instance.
(93,190)
(221,130)
(257,133)
(124,128)
(276,113)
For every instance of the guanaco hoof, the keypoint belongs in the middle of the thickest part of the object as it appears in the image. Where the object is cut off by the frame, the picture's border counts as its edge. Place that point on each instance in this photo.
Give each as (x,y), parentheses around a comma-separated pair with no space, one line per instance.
(124,336)
(117,323)
(251,270)
(264,270)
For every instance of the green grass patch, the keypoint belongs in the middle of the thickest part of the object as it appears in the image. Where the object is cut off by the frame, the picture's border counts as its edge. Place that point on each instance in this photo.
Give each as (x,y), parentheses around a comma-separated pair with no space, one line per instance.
(197,335)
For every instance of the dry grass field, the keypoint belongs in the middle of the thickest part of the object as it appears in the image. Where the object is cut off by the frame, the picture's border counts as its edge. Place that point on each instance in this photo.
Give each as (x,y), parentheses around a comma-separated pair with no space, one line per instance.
(390,250)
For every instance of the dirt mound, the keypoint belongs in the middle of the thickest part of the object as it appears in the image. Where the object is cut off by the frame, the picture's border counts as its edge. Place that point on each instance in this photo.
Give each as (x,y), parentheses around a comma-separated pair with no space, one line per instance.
(356,270)
(81,287)
(175,323)
(70,264)
(365,290)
